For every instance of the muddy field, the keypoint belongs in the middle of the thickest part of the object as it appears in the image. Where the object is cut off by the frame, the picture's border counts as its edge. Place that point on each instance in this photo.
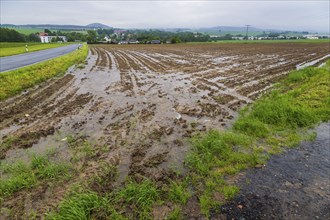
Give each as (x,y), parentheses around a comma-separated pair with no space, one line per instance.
(142,103)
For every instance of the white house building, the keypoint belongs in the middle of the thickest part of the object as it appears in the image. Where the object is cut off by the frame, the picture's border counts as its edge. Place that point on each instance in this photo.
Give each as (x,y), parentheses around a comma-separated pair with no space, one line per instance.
(47,39)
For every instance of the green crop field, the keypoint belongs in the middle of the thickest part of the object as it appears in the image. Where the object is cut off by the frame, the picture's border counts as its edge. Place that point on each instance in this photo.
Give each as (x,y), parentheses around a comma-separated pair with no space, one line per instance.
(37,30)
(8,49)
(223,33)
(28,30)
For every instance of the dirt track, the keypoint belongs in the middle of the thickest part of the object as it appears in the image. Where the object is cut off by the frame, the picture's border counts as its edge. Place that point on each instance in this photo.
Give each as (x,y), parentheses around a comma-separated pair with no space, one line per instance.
(144,101)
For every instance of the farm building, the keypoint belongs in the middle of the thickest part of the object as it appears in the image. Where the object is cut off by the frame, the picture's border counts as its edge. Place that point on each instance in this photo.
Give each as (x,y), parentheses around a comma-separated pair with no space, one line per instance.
(107,39)
(123,42)
(155,42)
(237,38)
(133,42)
(45,38)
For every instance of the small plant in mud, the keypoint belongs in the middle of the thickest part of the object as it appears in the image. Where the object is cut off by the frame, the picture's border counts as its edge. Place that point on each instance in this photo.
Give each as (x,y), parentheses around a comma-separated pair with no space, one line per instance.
(139,197)
(178,192)
(176,214)
(82,205)
(80,66)
(135,199)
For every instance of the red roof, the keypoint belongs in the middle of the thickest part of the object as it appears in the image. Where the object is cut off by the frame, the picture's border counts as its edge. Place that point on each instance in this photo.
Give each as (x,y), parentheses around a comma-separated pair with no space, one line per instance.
(43,34)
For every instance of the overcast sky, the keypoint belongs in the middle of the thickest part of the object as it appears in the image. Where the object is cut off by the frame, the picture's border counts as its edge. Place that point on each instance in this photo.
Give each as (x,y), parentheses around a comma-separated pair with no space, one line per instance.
(280,14)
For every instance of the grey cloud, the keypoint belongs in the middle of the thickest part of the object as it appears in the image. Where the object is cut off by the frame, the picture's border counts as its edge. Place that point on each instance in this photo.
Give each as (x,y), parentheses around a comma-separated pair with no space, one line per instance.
(294,15)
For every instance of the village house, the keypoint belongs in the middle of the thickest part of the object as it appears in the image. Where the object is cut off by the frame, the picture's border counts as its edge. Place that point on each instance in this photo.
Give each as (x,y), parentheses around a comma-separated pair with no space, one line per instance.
(123,42)
(45,38)
(155,42)
(107,39)
(133,41)
(237,38)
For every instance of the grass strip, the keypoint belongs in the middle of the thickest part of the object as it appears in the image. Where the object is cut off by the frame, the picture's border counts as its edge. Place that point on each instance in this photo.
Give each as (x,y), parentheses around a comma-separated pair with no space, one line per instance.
(15,81)
(19,175)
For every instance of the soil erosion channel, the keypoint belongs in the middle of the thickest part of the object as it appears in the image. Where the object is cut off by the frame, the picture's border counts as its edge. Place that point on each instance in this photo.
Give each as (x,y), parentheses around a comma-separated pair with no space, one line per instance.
(143,102)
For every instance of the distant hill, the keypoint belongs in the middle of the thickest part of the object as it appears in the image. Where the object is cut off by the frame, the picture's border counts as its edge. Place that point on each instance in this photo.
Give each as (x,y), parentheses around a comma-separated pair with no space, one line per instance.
(59,26)
(221,30)
(231,29)
(98,25)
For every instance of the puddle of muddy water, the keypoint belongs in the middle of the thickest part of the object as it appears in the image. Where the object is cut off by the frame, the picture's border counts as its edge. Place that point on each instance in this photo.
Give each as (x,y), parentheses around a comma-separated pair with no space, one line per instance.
(311,63)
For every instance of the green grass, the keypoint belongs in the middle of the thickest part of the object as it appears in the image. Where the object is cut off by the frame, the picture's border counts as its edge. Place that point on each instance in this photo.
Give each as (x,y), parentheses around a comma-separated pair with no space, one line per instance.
(139,197)
(8,49)
(19,175)
(15,81)
(176,214)
(178,192)
(84,205)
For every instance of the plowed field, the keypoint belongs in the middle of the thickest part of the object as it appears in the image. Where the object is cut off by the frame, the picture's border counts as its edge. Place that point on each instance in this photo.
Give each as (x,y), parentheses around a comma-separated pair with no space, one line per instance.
(140,104)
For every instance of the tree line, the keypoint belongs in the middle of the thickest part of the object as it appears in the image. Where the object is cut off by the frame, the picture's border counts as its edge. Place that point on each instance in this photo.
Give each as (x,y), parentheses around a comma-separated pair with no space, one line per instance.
(10,35)
(143,36)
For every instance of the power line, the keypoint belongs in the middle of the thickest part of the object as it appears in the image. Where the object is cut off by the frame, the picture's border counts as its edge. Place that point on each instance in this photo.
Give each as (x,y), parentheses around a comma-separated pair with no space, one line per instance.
(247,31)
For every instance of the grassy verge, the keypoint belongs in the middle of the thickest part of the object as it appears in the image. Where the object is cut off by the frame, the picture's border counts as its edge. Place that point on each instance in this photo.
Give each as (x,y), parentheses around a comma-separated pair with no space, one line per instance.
(8,49)
(13,82)
(19,175)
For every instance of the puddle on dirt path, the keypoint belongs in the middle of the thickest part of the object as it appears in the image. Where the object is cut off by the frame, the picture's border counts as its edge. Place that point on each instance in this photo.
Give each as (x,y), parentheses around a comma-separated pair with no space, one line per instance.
(293,185)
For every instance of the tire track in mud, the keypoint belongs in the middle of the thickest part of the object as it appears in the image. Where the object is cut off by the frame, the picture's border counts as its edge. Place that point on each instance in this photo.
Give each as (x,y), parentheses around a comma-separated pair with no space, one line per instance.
(27,136)
(13,110)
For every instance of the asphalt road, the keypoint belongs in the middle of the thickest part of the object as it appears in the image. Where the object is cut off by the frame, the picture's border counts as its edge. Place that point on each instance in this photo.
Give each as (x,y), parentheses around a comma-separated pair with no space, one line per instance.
(21,60)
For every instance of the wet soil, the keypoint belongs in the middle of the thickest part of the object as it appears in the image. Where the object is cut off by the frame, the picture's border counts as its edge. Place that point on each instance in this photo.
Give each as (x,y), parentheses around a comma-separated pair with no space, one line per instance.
(142,102)
(294,185)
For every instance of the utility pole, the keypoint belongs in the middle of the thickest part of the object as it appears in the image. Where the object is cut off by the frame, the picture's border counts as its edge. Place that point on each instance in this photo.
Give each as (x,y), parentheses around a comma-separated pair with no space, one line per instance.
(247,31)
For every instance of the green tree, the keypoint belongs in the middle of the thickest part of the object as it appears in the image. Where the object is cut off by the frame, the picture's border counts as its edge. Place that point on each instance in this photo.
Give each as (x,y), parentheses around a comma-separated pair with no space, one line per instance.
(33,38)
(9,35)
(175,39)
(91,36)
(48,32)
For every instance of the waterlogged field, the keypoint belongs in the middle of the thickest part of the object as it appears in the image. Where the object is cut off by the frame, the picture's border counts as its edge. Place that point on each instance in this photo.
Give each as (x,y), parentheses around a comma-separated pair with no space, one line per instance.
(112,135)
(8,49)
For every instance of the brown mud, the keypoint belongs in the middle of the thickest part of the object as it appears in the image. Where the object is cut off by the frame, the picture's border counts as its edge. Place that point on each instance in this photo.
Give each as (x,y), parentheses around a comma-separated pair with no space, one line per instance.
(143,102)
